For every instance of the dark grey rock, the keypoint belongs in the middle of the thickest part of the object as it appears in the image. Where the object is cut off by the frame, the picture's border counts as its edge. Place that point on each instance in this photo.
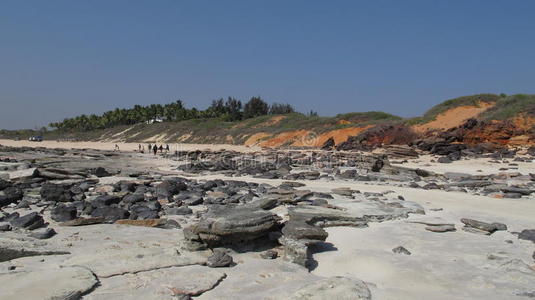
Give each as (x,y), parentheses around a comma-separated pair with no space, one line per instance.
(169,188)
(219,260)
(527,234)
(133,198)
(56,193)
(231,224)
(269,254)
(44,233)
(11,195)
(105,200)
(101,172)
(183,210)
(110,213)
(488,227)
(401,250)
(62,213)
(5,227)
(30,221)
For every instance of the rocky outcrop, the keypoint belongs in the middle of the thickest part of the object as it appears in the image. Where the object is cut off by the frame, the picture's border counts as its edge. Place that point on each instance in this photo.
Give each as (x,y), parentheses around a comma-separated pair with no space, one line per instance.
(231,225)
(377,136)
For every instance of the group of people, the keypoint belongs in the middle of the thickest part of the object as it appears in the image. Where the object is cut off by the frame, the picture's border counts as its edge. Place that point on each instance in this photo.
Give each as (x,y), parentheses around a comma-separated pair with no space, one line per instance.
(154,148)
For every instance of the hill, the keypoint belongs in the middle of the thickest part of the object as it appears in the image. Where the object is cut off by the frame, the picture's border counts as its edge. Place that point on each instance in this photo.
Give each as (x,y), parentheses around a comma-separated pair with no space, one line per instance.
(493,118)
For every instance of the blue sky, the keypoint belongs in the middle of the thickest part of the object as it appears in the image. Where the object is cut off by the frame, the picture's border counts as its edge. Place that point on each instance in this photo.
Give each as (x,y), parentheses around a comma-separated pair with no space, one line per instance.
(63,58)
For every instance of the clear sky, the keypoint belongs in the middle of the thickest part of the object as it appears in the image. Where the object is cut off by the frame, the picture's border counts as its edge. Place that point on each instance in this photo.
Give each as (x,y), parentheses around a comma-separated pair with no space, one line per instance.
(63,58)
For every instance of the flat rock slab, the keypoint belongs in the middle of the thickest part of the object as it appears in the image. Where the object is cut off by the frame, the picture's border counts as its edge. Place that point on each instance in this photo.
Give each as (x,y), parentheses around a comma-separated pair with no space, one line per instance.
(13,245)
(110,262)
(440,228)
(334,288)
(159,284)
(52,284)
(257,278)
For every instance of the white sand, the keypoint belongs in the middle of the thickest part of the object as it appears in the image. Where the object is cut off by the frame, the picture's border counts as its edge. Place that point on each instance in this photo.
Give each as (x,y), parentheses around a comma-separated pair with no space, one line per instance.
(478,166)
(123,146)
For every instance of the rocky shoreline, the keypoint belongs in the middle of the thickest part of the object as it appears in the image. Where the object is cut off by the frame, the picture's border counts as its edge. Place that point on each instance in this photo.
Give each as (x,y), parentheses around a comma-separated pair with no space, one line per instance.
(202,224)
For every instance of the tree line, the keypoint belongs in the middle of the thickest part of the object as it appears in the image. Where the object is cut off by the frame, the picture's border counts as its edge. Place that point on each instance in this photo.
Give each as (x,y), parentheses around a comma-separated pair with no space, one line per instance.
(228,110)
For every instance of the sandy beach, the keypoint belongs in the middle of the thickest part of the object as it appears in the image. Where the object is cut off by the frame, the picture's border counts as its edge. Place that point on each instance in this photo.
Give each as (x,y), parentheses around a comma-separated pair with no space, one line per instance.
(127,147)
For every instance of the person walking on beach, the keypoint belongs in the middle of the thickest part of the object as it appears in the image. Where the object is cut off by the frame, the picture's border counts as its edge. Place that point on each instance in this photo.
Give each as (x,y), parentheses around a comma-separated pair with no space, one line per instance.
(150,148)
(139,147)
(116,148)
(161,148)
(167,148)
(155,149)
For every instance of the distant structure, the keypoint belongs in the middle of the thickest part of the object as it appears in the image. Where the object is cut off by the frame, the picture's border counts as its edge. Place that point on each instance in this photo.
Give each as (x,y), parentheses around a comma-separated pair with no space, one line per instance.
(155,120)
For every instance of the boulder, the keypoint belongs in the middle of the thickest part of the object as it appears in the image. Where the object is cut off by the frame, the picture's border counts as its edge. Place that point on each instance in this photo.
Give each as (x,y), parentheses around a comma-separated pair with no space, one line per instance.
(30,221)
(110,213)
(101,172)
(105,200)
(11,195)
(183,210)
(42,234)
(329,144)
(230,225)
(219,259)
(169,188)
(56,193)
(487,227)
(527,234)
(62,213)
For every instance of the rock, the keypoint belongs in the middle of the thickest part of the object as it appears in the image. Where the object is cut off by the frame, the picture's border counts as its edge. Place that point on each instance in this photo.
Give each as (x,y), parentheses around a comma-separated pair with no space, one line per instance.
(11,195)
(299,229)
(329,144)
(44,233)
(441,228)
(348,174)
(4,184)
(169,188)
(5,227)
(444,160)
(527,234)
(265,203)
(347,192)
(101,172)
(517,190)
(219,259)
(488,227)
(110,213)
(231,224)
(30,221)
(105,200)
(134,198)
(177,283)
(62,213)
(16,247)
(83,221)
(54,283)
(401,250)
(334,288)
(144,223)
(183,210)
(269,254)
(55,193)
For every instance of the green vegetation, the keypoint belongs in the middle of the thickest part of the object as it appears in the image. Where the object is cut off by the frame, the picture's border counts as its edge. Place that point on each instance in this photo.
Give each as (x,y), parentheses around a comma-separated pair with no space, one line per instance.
(511,106)
(230,110)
